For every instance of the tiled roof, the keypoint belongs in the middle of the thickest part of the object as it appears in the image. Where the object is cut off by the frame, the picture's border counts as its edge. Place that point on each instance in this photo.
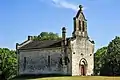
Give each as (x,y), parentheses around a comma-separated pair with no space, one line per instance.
(36,44)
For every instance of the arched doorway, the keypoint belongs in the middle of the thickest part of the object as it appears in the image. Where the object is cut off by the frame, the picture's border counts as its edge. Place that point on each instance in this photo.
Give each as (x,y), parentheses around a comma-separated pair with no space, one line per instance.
(83,67)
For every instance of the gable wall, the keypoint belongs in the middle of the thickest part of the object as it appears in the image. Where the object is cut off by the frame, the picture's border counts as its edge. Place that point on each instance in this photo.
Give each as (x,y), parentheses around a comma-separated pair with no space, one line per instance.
(86,48)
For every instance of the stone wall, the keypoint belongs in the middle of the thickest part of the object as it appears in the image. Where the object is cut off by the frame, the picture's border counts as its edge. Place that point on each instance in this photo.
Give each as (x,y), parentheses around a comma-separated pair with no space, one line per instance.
(40,61)
(69,66)
(82,49)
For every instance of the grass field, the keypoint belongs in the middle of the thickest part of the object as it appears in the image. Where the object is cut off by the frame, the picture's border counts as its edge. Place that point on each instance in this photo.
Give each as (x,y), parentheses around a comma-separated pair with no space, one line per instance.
(74,78)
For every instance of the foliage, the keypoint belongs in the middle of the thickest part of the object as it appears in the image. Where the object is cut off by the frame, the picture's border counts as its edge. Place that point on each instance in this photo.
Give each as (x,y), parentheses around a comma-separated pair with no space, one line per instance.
(107,59)
(112,62)
(8,63)
(99,60)
(47,36)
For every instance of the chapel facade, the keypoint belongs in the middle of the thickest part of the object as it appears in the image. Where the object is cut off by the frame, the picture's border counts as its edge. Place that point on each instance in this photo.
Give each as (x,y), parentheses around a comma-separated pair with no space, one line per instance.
(68,56)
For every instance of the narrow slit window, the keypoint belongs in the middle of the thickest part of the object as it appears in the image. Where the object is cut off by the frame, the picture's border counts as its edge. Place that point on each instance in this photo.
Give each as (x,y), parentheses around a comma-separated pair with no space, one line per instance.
(79,25)
(83,26)
(24,64)
(48,61)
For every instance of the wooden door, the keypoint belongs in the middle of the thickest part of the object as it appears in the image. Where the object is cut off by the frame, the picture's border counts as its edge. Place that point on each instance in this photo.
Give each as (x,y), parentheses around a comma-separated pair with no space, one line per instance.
(82,70)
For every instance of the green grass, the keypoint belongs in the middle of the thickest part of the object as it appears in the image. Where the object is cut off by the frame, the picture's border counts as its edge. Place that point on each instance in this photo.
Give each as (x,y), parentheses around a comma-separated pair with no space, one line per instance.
(72,78)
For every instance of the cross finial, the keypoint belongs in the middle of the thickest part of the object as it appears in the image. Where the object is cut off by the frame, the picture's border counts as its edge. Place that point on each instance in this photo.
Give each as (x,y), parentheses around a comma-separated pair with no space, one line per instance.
(80,6)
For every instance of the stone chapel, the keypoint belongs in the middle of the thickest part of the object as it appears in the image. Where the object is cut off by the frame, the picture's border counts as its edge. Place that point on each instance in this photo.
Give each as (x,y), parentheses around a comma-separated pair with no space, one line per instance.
(68,56)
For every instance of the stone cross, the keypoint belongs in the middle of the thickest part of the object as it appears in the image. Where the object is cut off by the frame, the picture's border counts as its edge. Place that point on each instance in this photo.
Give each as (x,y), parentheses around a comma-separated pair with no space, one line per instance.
(81,7)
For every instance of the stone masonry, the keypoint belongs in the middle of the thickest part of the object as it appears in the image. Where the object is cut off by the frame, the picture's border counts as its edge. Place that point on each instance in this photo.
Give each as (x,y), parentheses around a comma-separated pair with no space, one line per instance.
(68,56)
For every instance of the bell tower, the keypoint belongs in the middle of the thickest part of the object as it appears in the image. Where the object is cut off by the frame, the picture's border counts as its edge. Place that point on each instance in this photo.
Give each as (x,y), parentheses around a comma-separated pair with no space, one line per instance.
(80,24)
(82,47)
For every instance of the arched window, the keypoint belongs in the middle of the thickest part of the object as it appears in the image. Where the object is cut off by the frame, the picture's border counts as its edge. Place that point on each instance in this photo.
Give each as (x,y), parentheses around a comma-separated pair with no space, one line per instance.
(83,26)
(79,25)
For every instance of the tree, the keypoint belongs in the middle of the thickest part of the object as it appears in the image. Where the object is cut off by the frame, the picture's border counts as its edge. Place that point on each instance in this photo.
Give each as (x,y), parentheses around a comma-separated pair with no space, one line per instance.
(47,36)
(99,60)
(8,63)
(112,63)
